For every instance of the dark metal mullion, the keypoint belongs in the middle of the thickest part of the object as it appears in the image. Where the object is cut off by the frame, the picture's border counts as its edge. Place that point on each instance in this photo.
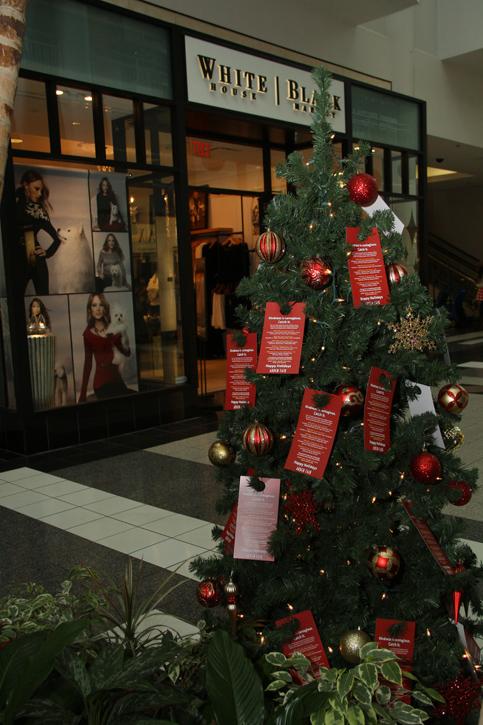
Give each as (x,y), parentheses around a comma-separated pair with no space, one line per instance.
(53,117)
(405,172)
(139,132)
(98,118)
(387,172)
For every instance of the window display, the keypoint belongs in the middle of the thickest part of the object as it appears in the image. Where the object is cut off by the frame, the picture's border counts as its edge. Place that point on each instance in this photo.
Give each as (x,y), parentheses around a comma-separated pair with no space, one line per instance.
(78,304)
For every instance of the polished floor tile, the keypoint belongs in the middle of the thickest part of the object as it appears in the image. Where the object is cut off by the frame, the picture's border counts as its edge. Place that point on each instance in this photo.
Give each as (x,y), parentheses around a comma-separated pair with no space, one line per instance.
(88,495)
(183,569)
(142,515)
(99,528)
(47,507)
(112,505)
(175,524)
(24,498)
(61,488)
(200,537)
(39,481)
(72,517)
(7,489)
(168,552)
(17,474)
(132,540)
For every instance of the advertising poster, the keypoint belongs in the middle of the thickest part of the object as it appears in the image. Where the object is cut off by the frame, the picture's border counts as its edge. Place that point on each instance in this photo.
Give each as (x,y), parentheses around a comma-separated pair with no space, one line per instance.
(54,229)
(54,311)
(104,345)
(113,261)
(108,200)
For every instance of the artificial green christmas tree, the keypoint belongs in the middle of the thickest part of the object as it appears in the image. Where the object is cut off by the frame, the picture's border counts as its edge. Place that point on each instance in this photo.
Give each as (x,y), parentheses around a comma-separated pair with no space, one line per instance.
(347,545)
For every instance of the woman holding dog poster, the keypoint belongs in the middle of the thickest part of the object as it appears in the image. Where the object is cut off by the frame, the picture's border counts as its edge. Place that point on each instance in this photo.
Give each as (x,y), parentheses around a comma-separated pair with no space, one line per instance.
(105,346)
(108,217)
(32,214)
(111,255)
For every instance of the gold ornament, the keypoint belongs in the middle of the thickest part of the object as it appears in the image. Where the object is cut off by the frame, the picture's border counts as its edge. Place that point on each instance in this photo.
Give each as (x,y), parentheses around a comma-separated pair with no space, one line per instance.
(412,333)
(351,643)
(453,437)
(221,454)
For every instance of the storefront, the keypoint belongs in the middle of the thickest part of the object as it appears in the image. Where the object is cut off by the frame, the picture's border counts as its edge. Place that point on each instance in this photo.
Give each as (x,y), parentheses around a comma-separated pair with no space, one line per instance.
(142,160)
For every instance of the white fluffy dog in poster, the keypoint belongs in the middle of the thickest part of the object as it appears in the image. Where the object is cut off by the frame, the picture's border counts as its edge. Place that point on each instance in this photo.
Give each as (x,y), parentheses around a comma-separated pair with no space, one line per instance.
(71,268)
(118,326)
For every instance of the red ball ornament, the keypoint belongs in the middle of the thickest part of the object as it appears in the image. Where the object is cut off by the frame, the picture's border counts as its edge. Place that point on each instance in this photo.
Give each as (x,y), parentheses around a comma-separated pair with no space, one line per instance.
(270,247)
(384,563)
(453,398)
(316,273)
(396,272)
(362,189)
(464,490)
(426,468)
(209,593)
(257,439)
(352,399)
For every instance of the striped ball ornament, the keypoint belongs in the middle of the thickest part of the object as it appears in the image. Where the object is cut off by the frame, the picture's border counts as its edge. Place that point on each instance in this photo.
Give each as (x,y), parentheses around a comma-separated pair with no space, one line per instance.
(396,272)
(270,247)
(257,439)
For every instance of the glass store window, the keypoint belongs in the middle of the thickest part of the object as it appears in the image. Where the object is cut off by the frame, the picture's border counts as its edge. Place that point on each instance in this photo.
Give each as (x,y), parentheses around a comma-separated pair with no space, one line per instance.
(76,121)
(119,136)
(30,126)
(224,165)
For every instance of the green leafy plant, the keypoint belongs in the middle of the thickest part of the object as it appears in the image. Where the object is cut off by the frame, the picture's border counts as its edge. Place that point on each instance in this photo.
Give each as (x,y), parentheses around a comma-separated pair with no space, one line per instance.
(371,692)
(34,609)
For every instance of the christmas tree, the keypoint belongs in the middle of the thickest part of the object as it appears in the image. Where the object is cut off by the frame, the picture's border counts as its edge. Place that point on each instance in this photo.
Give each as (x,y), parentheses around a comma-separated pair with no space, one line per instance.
(360,534)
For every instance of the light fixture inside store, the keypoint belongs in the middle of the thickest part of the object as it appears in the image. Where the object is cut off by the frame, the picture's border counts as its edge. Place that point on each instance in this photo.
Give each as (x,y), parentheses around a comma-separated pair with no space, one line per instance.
(87,98)
(76,123)
(59,92)
(16,140)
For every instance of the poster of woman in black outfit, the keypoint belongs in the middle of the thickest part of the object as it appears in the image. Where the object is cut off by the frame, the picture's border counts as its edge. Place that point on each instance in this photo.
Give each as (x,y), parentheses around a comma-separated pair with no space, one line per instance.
(107,214)
(32,212)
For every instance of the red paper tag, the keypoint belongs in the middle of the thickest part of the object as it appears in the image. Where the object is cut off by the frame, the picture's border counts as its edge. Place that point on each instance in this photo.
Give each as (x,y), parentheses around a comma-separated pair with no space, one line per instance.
(377,411)
(282,339)
(402,644)
(429,539)
(228,533)
(366,269)
(256,519)
(314,435)
(239,391)
(306,640)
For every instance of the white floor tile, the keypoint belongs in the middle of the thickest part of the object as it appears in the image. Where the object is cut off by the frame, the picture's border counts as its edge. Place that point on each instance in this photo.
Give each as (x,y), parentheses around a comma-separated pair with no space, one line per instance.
(99,529)
(16,474)
(183,569)
(132,540)
(175,524)
(472,363)
(24,498)
(112,505)
(88,495)
(7,489)
(199,537)
(38,481)
(49,506)
(61,488)
(168,552)
(72,517)
(142,515)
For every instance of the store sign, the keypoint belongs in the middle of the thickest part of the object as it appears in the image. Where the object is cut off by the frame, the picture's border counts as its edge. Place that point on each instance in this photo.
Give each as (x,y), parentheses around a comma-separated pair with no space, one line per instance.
(225,78)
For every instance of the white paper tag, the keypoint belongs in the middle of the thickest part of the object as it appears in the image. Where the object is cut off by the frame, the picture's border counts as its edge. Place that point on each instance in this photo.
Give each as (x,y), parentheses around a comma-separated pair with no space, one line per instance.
(380,205)
(424,403)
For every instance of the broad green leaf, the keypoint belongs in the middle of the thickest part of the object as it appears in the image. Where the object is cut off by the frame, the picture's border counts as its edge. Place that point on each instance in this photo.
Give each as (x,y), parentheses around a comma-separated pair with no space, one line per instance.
(392,672)
(421,697)
(77,672)
(370,714)
(302,703)
(338,705)
(299,661)
(109,662)
(282,675)
(276,658)
(367,673)
(234,688)
(408,718)
(362,693)
(344,683)
(366,648)
(406,714)
(383,695)
(275,685)
(318,718)
(332,717)
(355,715)
(33,656)
(380,655)
(433,694)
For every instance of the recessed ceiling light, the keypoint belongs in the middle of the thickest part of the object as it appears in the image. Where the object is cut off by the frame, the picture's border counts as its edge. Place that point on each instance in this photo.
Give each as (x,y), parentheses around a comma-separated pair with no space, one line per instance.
(87,98)
(16,140)
(76,123)
(59,92)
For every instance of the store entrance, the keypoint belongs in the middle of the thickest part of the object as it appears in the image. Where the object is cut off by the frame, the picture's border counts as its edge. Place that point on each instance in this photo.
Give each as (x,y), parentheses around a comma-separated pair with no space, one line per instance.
(232,176)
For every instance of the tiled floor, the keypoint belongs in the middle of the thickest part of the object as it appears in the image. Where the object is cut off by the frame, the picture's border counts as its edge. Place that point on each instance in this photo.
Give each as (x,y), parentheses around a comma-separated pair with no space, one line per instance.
(152,496)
